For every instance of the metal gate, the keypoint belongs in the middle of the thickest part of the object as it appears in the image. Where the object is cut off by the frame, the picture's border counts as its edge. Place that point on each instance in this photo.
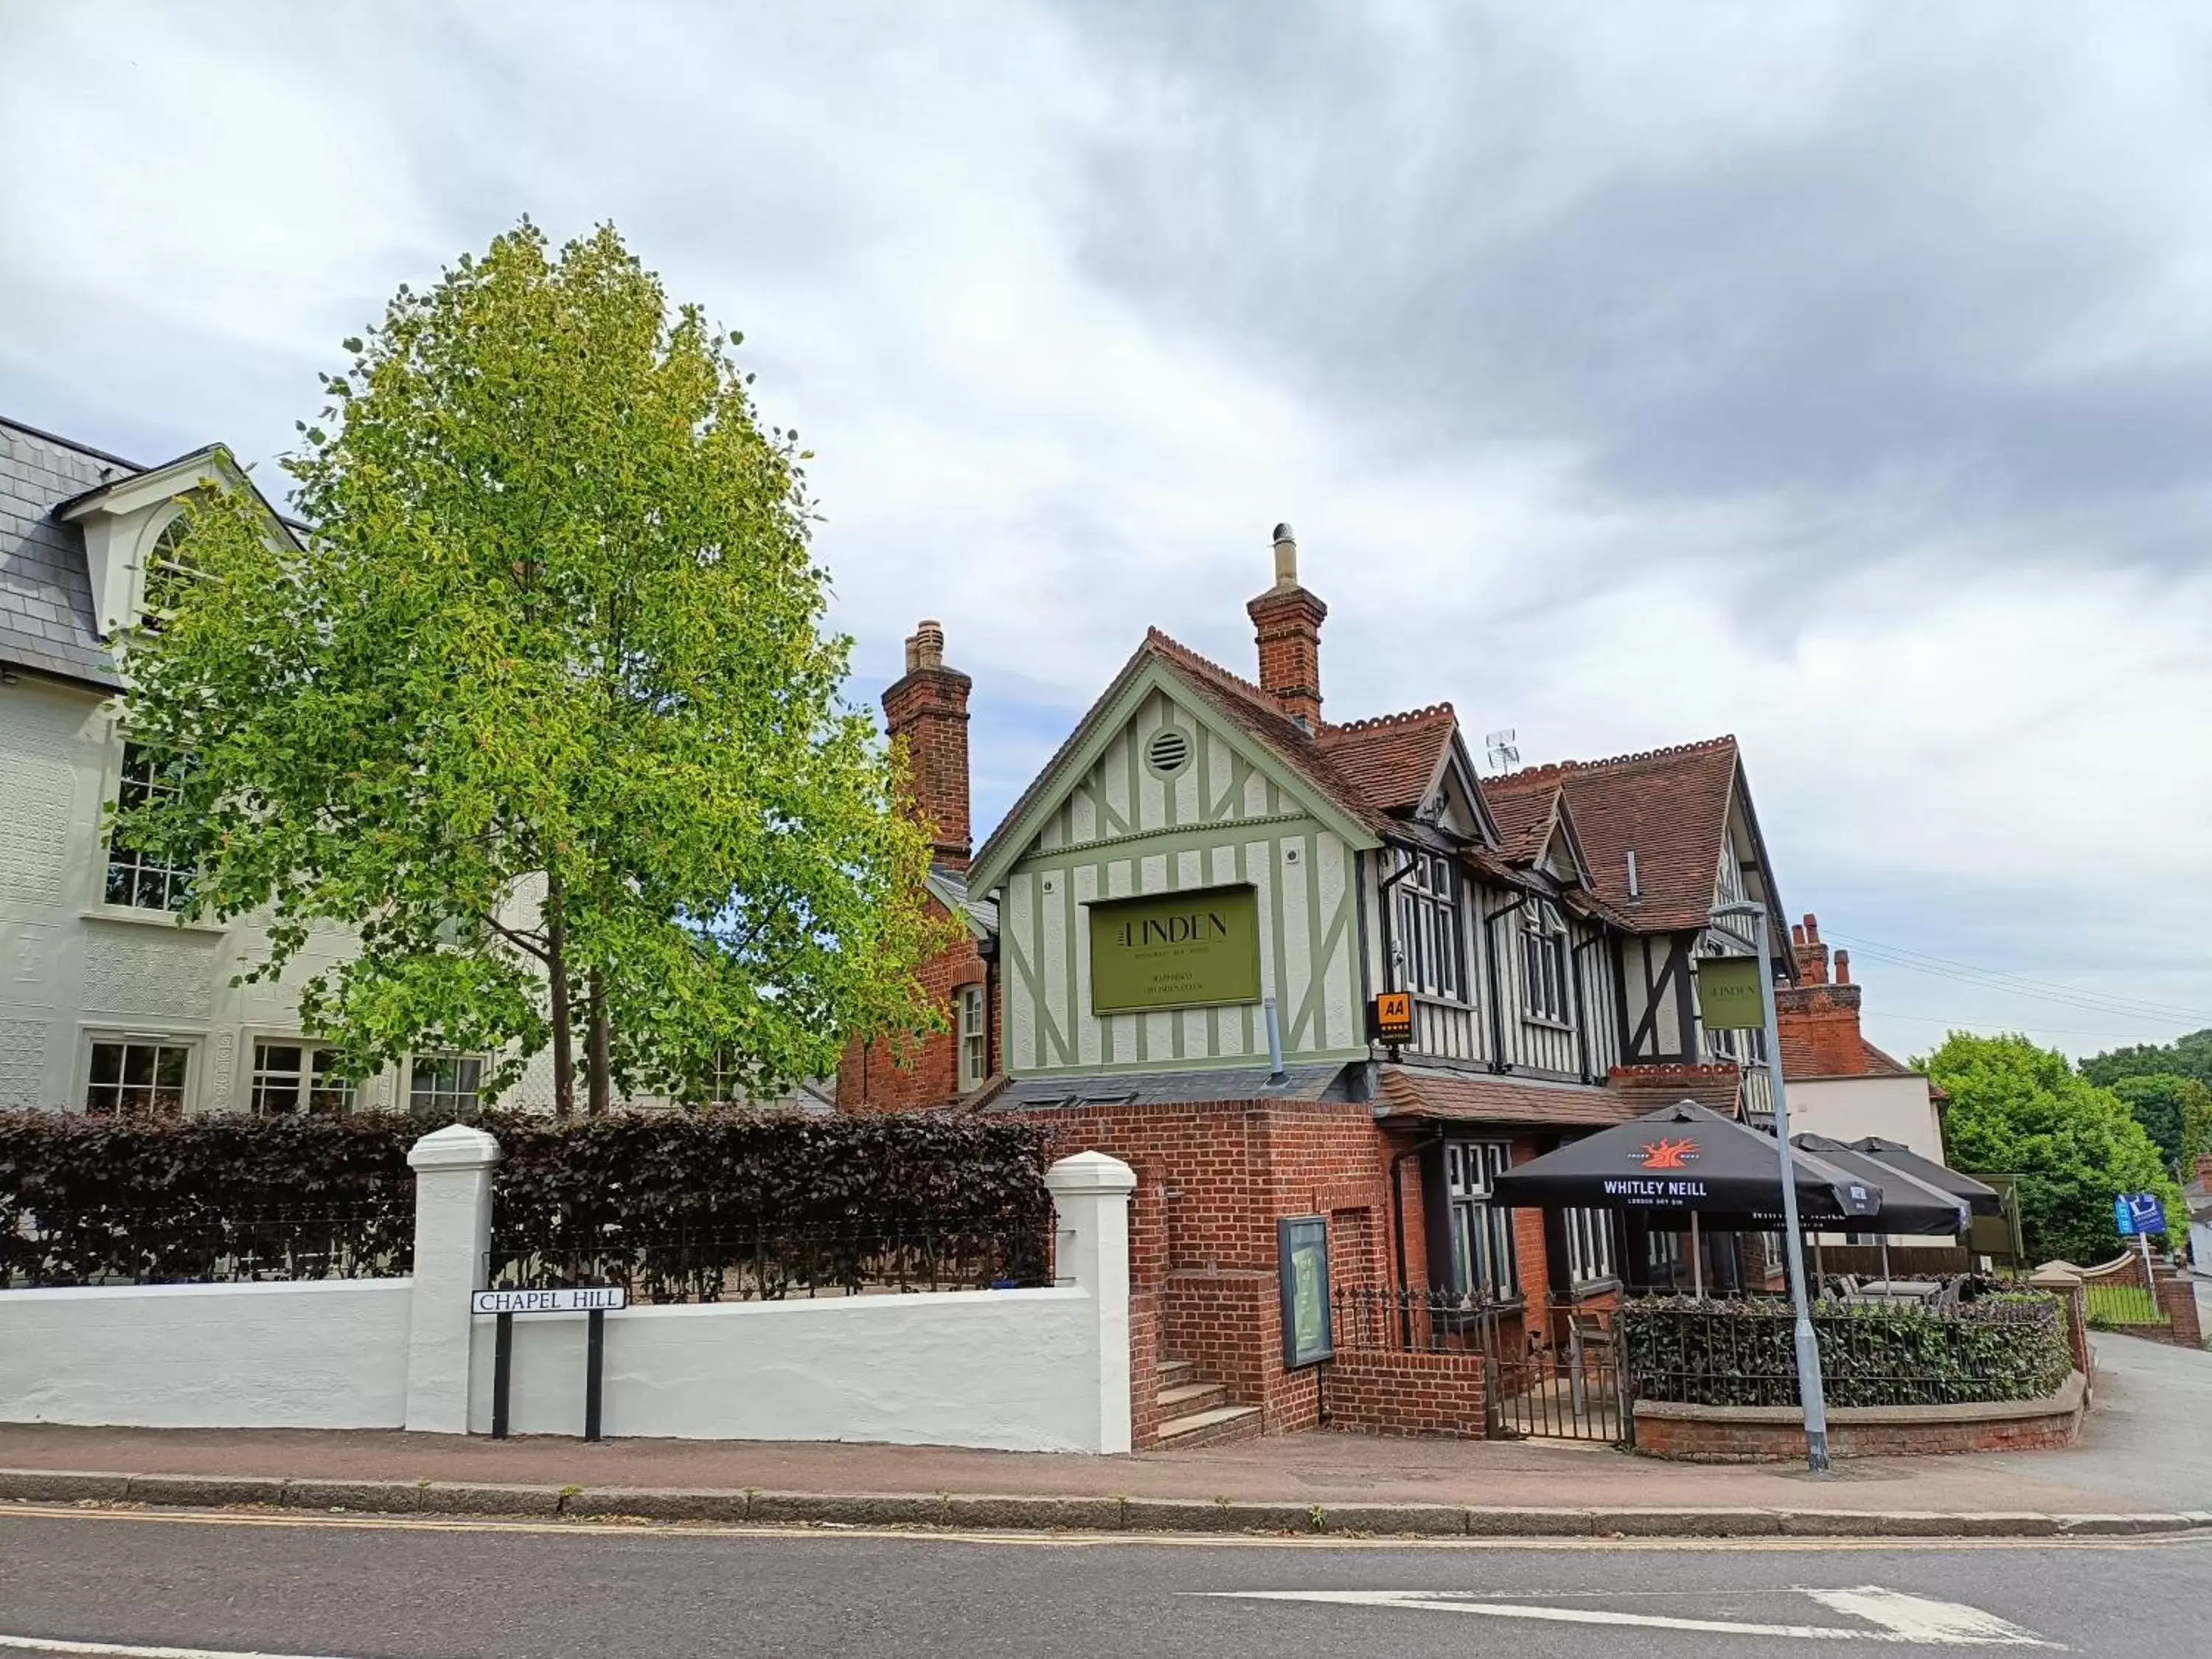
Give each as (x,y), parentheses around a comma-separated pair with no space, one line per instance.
(1559,1376)
(1550,1369)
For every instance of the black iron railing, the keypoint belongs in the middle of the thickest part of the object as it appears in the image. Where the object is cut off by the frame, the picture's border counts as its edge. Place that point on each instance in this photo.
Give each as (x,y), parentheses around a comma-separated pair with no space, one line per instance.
(1433,1322)
(770,1262)
(1872,1353)
(42,1248)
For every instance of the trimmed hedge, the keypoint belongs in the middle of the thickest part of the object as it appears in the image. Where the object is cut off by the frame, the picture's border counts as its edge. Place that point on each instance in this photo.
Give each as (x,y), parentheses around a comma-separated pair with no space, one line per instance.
(1743,1353)
(87,1199)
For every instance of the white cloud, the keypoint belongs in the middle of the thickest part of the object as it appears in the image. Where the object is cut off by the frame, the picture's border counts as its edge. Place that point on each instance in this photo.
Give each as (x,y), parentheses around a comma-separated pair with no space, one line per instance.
(1076,304)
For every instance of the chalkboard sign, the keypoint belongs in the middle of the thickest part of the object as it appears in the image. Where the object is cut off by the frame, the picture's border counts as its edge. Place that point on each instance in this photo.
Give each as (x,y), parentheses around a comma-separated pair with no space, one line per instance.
(1301,1251)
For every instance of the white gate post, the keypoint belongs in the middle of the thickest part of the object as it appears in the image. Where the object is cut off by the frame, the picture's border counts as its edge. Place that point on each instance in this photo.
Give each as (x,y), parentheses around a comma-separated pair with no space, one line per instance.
(453,1237)
(1091,1199)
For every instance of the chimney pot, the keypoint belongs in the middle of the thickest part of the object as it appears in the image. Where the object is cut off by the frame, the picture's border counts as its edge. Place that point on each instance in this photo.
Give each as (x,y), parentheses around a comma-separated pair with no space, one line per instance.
(1286,557)
(1842,967)
(929,644)
(1812,928)
(1797,934)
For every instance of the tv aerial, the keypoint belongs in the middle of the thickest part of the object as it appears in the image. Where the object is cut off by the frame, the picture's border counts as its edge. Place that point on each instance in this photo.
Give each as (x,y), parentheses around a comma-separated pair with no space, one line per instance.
(1504,753)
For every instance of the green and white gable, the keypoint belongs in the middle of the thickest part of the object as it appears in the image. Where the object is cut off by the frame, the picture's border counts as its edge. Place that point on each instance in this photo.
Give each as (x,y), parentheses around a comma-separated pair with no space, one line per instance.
(1162,791)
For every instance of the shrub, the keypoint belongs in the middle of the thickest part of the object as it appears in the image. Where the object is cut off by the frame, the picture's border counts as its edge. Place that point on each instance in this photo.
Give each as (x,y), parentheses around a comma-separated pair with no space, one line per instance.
(1743,1353)
(84,1200)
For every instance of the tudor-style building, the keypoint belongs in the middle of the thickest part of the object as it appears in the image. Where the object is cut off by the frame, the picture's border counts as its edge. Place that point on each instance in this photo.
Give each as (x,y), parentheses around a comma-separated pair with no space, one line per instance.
(1200,901)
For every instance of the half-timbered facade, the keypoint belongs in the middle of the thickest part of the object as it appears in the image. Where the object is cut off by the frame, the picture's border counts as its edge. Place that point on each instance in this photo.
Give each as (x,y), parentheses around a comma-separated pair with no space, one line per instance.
(1287,965)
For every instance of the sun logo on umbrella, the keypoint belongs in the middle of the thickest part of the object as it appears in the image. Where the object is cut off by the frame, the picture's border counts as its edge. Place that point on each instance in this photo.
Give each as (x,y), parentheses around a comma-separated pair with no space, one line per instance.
(1664,1154)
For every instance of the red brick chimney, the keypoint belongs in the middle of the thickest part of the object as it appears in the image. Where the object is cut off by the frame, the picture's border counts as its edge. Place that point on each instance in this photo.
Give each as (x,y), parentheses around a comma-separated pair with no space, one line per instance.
(1812,955)
(927,708)
(1288,621)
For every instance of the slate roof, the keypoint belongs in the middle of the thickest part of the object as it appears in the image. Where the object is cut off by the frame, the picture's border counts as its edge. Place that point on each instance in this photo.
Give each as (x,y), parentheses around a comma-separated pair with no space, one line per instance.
(1324,1082)
(1433,1092)
(1668,806)
(46,594)
(949,888)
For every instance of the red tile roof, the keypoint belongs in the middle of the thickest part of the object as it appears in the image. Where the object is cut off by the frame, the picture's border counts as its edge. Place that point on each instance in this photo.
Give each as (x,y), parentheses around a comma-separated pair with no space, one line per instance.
(1392,759)
(1524,816)
(1717,1085)
(1668,806)
(1473,1098)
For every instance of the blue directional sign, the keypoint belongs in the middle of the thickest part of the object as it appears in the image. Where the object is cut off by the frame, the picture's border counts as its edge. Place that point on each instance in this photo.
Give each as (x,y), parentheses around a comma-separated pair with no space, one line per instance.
(2139,1214)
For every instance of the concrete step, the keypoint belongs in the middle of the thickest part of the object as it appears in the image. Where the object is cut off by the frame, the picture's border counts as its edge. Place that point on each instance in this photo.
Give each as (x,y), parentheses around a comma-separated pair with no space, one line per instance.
(1211,1427)
(1173,1373)
(1188,1397)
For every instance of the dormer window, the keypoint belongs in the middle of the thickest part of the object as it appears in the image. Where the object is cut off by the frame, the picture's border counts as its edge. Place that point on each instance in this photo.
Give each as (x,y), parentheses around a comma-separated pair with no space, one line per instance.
(169,576)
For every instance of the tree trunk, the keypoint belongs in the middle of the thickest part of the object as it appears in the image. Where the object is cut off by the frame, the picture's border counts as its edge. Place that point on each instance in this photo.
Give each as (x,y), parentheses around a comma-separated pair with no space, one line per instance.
(599,1044)
(564,1036)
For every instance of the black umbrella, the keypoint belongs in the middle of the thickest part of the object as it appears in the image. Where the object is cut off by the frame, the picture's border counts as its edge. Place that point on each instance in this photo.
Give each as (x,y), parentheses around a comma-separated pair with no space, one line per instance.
(1685,1158)
(1980,1200)
(1909,1204)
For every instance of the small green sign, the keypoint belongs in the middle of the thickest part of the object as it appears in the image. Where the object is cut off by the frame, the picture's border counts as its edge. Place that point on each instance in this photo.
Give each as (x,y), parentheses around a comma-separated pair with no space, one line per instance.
(1302,1254)
(1194,950)
(1728,996)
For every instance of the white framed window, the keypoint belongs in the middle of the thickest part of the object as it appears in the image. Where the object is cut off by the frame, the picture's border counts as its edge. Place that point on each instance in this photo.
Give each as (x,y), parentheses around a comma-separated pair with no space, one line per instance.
(1543,963)
(291,1077)
(136,877)
(1589,1246)
(169,575)
(1482,1260)
(1431,943)
(973,1035)
(138,1076)
(440,1084)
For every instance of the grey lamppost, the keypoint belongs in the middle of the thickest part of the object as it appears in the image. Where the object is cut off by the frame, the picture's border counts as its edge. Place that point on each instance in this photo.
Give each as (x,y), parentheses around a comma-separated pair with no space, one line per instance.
(1810,1392)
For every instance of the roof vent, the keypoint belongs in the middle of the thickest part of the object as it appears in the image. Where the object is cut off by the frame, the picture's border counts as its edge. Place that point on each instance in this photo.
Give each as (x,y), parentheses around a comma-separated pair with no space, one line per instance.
(1168,751)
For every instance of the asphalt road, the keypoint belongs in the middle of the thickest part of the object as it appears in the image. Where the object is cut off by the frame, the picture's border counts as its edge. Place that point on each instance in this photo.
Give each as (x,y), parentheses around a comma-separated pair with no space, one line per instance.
(125,1581)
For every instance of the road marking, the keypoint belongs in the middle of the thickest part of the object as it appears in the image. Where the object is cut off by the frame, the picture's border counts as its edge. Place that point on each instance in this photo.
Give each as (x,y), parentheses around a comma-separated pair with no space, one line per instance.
(118,1651)
(1893,1616)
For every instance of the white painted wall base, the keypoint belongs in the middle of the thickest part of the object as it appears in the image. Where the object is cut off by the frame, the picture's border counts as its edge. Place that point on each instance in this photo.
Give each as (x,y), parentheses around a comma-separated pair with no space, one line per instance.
(326,1354)
(1005,1369)
(1029,1370)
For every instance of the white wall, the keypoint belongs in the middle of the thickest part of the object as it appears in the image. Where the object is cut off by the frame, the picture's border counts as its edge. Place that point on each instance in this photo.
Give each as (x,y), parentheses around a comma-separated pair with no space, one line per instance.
(1850,1108)
(329,1354)
(1012,1370)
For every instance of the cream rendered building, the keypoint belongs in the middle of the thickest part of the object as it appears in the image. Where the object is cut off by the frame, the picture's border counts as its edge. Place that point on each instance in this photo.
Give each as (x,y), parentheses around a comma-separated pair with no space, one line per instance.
(106,1000)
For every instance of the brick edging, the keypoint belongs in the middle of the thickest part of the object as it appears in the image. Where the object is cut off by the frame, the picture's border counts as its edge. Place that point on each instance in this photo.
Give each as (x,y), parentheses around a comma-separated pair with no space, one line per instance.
(1036,1514)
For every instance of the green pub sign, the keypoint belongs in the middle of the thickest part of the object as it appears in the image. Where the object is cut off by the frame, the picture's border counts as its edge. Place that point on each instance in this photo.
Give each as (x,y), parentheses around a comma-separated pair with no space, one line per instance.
(1301,1262)
(1728,996)
(1193,950)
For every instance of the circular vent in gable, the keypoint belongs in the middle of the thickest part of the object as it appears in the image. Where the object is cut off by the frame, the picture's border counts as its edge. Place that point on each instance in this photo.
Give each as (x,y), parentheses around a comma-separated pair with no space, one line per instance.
(1168,751)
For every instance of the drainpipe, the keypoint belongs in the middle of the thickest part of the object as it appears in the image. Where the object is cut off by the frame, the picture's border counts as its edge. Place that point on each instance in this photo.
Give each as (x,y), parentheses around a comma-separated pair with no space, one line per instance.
(1497,1062)
(1581,1008)
(1398,1231)
(1383,915)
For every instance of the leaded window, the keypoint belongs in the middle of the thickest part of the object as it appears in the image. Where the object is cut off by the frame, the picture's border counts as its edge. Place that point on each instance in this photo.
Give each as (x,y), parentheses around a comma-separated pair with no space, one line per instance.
(1431,943)
(1590,1245)
(1543,963)
(1482,1262)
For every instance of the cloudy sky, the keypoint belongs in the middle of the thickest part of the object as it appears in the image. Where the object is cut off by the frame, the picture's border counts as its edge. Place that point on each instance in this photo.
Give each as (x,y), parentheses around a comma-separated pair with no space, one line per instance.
(1838,375)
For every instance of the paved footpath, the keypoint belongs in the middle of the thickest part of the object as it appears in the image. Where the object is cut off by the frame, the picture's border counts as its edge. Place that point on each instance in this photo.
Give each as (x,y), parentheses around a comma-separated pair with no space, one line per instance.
(2148,1448)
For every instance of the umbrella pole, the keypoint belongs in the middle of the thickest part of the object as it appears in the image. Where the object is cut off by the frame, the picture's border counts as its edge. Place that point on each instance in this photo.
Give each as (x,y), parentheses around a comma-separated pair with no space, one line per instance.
(1819,1266)
(1885,1261)
(1697,1258)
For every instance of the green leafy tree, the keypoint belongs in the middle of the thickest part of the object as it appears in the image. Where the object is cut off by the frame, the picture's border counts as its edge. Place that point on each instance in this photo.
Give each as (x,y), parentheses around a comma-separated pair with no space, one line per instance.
(542,707)
(2020,1109)
(2188,1056)
(2176,1112)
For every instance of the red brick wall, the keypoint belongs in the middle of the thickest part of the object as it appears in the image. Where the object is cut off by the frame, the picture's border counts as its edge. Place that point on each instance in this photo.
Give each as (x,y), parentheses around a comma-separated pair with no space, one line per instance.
(898,1072)
(1382,1392)
(1213,1178)
(1708,1442)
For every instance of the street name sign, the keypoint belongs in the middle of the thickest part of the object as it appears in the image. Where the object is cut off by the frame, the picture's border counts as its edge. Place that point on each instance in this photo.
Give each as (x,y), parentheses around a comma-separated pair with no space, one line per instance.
(576,1298)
